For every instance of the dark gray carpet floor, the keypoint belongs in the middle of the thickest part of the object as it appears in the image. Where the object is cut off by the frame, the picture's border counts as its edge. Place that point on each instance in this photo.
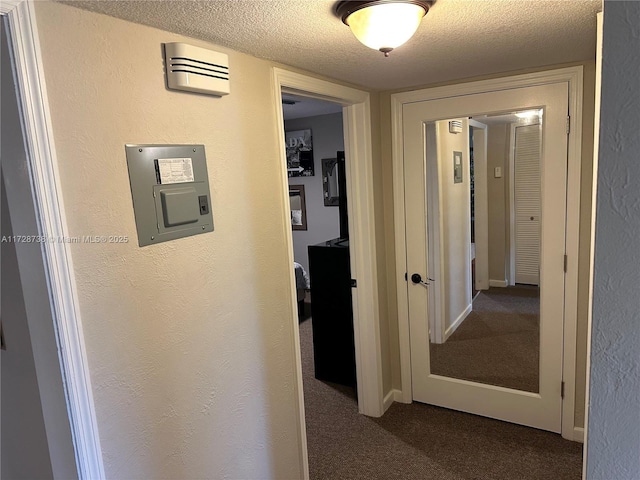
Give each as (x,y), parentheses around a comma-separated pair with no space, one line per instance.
(498,343)
(419,441)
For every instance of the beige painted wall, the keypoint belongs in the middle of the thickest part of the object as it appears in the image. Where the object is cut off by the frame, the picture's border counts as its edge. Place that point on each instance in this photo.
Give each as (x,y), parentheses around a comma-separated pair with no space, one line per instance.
(455,206)
(189,342)
(585,212)
(497,192)
(382,228)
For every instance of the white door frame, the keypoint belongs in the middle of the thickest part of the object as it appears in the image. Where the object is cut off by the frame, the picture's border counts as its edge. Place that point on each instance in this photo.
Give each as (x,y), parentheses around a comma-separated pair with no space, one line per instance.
(592,243)
(574,77)
(481,206)
(48,205)
(359,173)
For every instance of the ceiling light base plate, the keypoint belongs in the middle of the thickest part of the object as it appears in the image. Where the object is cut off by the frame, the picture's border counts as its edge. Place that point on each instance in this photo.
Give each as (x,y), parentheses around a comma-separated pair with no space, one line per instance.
(345,8)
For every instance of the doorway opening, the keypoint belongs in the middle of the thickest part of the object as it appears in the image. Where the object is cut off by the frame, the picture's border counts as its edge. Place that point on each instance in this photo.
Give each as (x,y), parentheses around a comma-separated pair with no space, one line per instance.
(362,261)
(37,439)
(314,140)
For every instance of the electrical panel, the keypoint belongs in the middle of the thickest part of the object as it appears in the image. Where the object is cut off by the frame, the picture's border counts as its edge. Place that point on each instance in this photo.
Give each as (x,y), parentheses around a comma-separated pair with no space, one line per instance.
(170,191)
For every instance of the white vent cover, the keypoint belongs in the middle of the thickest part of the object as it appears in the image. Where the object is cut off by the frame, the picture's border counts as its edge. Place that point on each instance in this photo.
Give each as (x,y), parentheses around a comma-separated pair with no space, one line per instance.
(455,126)
(196,69)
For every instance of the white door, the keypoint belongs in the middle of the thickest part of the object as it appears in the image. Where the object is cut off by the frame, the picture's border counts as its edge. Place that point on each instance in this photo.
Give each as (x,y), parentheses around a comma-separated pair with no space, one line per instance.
(433,231)
(526,177)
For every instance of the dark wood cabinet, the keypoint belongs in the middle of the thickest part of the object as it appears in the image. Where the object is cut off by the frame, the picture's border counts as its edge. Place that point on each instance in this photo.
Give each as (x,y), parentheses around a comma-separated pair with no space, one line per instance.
(331,312)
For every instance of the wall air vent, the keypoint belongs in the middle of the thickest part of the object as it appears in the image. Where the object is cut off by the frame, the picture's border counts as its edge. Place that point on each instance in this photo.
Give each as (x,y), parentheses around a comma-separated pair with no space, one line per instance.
(455,126)
(196,69)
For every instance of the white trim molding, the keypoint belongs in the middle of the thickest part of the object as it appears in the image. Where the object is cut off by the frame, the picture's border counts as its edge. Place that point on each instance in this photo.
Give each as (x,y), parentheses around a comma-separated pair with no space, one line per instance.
(498,283)
(359,173)
(573,76)
(49,207)
(461,318)
(389,398)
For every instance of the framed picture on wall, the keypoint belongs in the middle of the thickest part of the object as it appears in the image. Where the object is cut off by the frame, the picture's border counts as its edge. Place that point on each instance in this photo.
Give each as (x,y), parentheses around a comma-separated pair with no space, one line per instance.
(299,153)
(298,207)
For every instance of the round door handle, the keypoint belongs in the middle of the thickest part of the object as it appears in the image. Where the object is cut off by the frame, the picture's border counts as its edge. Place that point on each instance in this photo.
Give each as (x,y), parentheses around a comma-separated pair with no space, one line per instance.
(530,218)
(416,278)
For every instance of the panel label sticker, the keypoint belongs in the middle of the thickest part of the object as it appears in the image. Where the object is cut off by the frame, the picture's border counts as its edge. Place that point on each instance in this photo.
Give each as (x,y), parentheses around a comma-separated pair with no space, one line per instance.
(175,170)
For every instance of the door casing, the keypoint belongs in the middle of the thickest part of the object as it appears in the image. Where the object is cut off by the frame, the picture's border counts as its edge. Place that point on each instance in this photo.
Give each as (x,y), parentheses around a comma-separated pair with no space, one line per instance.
(574,77)
(359,175)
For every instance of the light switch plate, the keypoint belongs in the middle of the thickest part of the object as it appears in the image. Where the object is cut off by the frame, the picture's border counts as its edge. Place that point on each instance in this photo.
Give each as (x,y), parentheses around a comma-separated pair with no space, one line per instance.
(457,167)
(497,172)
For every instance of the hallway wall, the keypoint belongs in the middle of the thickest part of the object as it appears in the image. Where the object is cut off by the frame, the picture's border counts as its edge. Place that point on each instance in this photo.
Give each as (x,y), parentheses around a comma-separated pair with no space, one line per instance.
(498,156)
(455,224)
(189,342)
(613,440)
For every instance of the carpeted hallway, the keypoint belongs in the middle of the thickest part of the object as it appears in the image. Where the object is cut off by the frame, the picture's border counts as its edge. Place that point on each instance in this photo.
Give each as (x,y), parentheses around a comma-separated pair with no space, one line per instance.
(498,343)
(420,441)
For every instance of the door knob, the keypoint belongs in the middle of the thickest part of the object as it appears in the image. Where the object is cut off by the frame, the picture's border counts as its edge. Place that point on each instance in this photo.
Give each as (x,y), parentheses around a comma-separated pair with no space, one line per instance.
(416,278)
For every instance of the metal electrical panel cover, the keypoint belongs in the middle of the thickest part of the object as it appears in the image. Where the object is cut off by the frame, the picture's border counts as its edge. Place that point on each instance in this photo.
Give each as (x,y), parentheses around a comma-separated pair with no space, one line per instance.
(170,191)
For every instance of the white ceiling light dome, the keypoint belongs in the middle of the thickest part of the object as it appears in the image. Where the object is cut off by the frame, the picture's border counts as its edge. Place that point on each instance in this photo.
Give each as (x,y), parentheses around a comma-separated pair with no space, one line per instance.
(383,24)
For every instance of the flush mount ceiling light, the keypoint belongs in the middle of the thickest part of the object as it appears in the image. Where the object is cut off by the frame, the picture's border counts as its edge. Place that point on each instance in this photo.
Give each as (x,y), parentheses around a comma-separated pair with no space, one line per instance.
(529,114)
(383,24)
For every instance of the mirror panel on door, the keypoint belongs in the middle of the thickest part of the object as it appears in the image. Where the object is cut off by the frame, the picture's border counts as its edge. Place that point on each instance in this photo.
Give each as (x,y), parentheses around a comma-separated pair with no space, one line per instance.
(487,332)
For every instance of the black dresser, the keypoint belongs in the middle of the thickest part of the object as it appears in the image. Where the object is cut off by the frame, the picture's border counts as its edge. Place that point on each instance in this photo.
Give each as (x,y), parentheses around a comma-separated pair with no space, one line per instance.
(331,312)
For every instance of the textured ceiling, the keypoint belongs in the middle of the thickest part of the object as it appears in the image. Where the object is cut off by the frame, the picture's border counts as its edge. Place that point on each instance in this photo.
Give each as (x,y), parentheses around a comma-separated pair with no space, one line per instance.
(457,39)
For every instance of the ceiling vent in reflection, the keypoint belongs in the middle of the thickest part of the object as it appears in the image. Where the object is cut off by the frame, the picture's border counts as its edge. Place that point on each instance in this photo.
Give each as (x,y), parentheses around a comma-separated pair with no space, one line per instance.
(195,69)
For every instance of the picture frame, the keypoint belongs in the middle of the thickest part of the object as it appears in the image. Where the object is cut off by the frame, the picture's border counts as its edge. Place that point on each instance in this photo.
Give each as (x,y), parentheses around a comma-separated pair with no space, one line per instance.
(298,207)
(330,182)
(299,145)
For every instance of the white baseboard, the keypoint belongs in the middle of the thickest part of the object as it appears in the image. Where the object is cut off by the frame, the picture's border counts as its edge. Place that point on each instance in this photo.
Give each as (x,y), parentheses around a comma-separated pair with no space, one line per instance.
(399,396)
(578,434)
(498,283)
(452,328)
(393,396)
(388,400)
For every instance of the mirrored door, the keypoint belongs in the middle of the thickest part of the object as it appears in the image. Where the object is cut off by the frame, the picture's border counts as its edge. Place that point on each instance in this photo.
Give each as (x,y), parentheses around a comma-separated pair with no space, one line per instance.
(492,348)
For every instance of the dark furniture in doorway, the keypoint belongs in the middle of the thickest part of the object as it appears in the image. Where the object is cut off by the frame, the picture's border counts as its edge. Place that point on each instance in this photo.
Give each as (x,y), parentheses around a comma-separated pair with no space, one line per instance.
(331,312)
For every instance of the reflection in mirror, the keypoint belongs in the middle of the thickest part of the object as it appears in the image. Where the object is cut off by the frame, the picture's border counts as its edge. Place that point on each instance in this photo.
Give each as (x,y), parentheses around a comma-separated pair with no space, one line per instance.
(330,182)
(298,207)
(485,311)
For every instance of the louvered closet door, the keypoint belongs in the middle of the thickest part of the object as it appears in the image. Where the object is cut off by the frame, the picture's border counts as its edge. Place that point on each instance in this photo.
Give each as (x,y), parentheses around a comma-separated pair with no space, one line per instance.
(527,203)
